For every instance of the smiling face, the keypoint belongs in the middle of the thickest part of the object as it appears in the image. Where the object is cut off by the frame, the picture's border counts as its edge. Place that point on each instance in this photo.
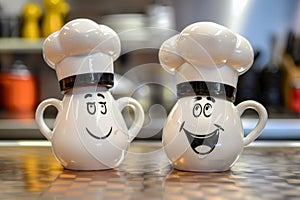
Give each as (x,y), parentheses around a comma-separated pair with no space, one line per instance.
(95,108)
(98,124)
(201,133)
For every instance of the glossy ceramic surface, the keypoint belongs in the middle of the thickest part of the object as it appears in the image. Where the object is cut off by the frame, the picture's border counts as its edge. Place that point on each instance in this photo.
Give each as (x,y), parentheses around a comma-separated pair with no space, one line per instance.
(90,132)
(203,131)
(82,46)
(206,134)
(206,51)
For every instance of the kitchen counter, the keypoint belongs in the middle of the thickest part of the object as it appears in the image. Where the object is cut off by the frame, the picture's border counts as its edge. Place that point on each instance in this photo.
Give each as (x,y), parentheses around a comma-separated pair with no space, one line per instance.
(266,170)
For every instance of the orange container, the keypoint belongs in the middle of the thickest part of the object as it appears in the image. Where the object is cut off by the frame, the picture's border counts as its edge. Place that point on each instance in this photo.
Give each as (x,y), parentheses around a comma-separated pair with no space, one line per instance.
(18,90)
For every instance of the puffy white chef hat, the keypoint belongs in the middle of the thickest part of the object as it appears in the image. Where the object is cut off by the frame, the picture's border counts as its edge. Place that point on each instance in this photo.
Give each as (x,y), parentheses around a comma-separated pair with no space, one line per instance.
(82,53)
(206,56)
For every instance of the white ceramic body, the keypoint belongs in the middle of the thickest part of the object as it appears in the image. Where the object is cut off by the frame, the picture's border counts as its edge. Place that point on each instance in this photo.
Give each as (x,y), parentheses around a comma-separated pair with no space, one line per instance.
(89,131)
(219,127)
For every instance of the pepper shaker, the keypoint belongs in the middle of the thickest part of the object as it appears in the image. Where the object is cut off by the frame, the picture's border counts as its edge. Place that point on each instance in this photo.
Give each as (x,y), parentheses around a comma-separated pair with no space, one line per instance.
(203,131)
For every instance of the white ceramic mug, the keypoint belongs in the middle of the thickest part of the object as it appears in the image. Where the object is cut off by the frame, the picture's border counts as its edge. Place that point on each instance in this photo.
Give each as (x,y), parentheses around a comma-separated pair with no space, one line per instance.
(89,131)
(205,133)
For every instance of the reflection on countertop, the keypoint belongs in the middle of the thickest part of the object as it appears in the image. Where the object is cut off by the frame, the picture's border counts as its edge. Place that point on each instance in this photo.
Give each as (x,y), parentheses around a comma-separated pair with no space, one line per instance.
(268,170)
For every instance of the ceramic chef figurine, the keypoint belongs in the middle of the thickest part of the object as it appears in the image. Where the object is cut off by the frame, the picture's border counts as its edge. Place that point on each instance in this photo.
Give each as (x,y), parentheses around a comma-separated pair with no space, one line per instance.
(89,131)
(203,131)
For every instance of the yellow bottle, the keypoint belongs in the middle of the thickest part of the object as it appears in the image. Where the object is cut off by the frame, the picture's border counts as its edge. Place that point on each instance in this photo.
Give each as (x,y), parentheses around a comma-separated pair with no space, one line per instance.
(64,9)
(55,11)
(30,15)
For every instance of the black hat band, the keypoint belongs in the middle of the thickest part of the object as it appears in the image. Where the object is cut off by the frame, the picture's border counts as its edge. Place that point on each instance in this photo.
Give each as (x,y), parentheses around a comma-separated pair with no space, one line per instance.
(194,88)
(88,79)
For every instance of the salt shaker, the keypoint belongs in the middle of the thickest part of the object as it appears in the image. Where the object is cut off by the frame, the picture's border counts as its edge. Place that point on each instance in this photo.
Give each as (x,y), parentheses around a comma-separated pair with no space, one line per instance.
(89,131)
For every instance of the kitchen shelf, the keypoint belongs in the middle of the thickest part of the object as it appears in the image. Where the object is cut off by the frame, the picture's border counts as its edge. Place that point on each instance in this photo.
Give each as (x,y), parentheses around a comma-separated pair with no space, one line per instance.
(130,40)
(15,45)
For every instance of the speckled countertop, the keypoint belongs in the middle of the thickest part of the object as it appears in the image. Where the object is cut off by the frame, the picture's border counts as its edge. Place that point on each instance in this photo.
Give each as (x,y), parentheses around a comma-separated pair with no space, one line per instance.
(264,171)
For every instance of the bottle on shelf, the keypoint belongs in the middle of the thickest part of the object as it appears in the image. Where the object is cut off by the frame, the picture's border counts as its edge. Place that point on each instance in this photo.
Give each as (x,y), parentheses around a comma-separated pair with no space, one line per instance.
(30,15)
(55,14)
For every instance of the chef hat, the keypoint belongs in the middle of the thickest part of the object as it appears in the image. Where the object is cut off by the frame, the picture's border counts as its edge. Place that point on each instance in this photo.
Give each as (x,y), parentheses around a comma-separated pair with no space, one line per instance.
(82,52)
(206,56)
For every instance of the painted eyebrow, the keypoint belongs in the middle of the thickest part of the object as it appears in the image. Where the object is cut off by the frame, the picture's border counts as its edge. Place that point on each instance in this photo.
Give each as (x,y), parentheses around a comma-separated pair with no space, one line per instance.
(211,99)
(197,98)
(101,95)
(87,95)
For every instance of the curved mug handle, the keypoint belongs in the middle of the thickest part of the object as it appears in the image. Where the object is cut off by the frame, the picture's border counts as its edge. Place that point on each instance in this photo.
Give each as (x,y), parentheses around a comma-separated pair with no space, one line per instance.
(39,116)
(138,115)
(263,117)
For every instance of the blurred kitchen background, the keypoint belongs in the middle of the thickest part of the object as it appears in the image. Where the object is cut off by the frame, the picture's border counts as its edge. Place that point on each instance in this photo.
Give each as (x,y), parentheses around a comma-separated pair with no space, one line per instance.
(271,26)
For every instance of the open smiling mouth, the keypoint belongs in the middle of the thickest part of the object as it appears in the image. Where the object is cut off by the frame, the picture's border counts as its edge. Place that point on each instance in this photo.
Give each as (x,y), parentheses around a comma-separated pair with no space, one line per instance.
(97,137)
(202,144)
